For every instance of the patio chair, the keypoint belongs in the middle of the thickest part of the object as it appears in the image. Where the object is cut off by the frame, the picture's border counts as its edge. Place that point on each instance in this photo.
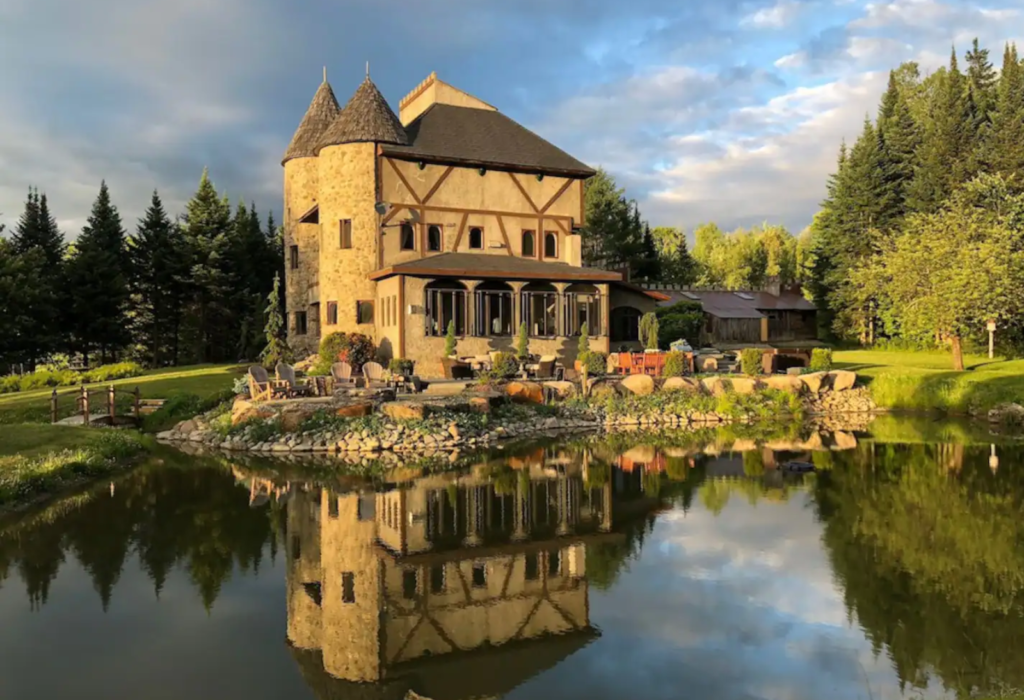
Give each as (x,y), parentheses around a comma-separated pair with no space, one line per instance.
(373,373)
(546,367)
(260,386)
(289,384)
(341,374)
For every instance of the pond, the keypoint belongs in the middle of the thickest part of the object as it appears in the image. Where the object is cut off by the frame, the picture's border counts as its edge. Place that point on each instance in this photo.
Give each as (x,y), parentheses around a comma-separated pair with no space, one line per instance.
(626,567)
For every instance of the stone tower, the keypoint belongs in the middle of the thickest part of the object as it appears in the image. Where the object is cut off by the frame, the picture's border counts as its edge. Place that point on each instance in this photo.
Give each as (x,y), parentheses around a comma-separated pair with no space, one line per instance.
(300,195)
(347,166)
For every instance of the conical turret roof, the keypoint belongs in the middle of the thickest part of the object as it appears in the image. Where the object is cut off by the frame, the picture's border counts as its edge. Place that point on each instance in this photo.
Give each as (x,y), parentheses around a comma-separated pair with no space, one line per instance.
(366,117)
(323,110)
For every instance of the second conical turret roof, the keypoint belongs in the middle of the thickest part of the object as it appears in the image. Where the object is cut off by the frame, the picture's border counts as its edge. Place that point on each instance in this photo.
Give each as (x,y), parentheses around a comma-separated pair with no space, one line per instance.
(322,112)
(366,117)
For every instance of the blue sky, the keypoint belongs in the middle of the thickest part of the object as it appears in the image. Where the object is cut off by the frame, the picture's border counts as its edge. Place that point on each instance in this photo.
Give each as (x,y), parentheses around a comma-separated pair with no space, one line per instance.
(726,110)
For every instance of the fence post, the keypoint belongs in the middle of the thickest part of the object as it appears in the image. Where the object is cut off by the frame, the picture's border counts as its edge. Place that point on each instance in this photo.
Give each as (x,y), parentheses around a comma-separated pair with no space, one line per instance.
(85,405)
(138,410)
(53,406)
(111,399)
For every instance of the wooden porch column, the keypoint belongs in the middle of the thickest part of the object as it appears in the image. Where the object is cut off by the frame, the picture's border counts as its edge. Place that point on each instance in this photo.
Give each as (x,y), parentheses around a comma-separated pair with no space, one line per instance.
(605,302)
(561,330)
(471,302)
(517,306)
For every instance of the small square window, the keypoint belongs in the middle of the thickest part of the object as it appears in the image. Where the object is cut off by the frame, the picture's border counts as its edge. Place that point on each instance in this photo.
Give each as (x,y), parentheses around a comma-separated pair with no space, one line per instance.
(332,313)
(300,323)
(479,575)
(409,584)
(348,587)
(364,312)
(293,257)
(345,233)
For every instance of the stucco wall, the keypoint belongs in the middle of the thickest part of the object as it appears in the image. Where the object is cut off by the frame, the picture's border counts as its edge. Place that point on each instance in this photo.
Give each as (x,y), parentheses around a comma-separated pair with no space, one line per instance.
(348,191)
(300,194)
(466,189)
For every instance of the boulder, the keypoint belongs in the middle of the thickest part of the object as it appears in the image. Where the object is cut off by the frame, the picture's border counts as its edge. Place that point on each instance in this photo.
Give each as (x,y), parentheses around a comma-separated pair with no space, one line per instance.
(525,392)
(784,382)
(356,410)
(404,410)
(561,390)
(813,381)
(844,441)
(293,417)
(1007,413)
(682,384)
(744,385)
(842,380)
(639,384)
(707,364)
(480,404)
(600,389)
(716,386)
(186,427)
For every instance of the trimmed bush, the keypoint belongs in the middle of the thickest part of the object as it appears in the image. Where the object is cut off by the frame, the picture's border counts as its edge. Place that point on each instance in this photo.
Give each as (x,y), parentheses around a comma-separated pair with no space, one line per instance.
(450,342)
(750,361)
(401,366)
(523,341)
(354,348)
(505,365)
(821,359)
(675,365)
(595,362)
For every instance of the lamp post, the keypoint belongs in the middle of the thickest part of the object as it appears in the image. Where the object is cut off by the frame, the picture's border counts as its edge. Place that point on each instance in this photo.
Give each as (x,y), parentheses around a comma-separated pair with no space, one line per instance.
(991,338)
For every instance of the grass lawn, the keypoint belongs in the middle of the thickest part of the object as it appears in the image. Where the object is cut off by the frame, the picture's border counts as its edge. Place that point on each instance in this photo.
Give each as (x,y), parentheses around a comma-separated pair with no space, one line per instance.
(924,381)
(33,439)
(201,380)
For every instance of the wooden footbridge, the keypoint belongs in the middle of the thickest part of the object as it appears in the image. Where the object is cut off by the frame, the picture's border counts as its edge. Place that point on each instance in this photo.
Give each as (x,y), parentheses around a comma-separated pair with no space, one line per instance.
(99,406)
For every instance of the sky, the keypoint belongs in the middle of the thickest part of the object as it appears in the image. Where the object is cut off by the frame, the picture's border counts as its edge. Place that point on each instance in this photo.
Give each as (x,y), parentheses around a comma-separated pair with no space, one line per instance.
(729,111)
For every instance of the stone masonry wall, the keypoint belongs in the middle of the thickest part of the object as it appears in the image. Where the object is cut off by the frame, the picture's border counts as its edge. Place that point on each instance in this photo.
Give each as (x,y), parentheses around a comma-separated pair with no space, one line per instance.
(300,194)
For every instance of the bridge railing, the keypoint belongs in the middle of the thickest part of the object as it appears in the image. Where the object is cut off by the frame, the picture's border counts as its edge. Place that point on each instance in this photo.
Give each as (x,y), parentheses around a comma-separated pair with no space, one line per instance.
(84,404)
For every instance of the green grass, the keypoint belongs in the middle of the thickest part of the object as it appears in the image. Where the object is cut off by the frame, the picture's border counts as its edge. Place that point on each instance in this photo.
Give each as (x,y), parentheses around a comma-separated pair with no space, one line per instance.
(923,381)
(200,380)
(31,439)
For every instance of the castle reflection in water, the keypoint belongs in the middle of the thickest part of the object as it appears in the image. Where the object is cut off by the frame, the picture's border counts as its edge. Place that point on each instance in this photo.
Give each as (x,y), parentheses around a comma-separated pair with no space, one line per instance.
(454,586)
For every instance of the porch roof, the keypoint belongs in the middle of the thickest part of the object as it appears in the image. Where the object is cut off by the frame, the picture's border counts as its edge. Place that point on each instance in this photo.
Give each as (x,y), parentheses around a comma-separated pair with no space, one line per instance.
(503,267)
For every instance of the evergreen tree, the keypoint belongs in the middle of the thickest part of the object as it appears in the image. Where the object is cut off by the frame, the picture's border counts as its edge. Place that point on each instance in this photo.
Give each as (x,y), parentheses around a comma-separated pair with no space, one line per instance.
(206,227)
(648,266)
(276,332)
(677,267)
(158,284)
(1002,149)
(947,145)
(38,229)
(981,80)
(97,275)
(613,234)
(23,290)
(900,139)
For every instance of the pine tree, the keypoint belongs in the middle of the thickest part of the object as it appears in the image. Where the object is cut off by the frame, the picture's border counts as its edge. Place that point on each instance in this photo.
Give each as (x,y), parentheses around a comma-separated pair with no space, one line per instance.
(23,290)
(677,267)
(38,229)
(981,79)
(37,233)
(1002,149)
(648,264)
(206,228)
(97,276)
(612,231)
(900,139)
(158,284)
(947,145)
(275,331)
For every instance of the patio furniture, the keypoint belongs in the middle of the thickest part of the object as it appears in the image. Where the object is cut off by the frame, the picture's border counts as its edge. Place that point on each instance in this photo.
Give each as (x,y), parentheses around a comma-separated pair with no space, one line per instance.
(260,386)
(653,363)
(373,373)
(341,374)
(287,382)
(545,367)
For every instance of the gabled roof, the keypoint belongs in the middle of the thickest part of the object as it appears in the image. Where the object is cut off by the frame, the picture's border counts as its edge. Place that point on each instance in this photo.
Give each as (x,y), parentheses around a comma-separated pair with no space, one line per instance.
(321,113)
(489,266)
(365,118)
(482,138)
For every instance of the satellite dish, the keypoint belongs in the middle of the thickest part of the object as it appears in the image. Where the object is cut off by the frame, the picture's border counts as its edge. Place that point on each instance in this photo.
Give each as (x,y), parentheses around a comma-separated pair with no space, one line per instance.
(414,216)
(382,208)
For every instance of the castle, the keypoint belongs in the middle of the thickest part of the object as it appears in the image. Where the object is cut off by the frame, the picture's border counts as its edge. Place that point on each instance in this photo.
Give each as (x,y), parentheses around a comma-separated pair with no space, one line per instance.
(448,213)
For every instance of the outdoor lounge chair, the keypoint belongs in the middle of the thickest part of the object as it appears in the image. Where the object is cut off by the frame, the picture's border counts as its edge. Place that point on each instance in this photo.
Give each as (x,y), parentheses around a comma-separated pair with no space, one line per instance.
(260,386)
(290,385)
(341,373)
(373,373)
(546,367)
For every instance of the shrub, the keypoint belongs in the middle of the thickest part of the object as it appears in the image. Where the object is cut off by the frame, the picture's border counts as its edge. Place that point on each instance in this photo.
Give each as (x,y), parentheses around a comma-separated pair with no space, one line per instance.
(450,340)
(354,348)
(750,361)
(649,331)
(10,384)
(241,386)
(595,362)
(56,363)
(44,378)
(523,341)
(401,366)
(675,365)
(584,346)
(106,373)
(179,407)
(682,320)
(505,365)
(821,359)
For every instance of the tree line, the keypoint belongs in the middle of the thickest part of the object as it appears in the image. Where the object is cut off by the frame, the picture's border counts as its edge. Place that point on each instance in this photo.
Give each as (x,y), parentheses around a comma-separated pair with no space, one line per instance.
(921,235)
(176,291)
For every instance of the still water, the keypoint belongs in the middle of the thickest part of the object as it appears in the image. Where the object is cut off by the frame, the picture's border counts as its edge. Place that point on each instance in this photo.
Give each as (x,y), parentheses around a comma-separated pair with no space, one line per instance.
(634,567)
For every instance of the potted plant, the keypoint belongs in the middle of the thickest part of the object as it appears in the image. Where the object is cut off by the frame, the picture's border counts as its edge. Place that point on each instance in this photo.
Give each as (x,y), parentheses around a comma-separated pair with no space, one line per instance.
(401,367)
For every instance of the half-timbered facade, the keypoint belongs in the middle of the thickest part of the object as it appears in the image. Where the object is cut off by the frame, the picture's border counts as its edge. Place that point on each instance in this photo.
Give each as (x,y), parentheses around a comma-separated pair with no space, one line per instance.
(447,213)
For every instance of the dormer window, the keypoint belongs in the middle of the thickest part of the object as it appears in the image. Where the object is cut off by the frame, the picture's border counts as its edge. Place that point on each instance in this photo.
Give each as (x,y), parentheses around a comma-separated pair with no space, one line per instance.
(476,238)
(408,237)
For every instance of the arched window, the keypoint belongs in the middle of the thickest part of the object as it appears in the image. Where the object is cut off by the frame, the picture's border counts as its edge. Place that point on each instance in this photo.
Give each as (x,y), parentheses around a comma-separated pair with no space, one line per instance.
(625,322)
(540,302)
(550,244)
(408,235)
(434,239)
(476,238)
(446,301)
(582,305)
(493,309)
(529,250)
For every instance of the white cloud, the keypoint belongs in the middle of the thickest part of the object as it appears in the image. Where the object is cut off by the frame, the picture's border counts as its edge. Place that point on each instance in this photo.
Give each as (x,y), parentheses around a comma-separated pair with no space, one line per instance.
(777,16)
